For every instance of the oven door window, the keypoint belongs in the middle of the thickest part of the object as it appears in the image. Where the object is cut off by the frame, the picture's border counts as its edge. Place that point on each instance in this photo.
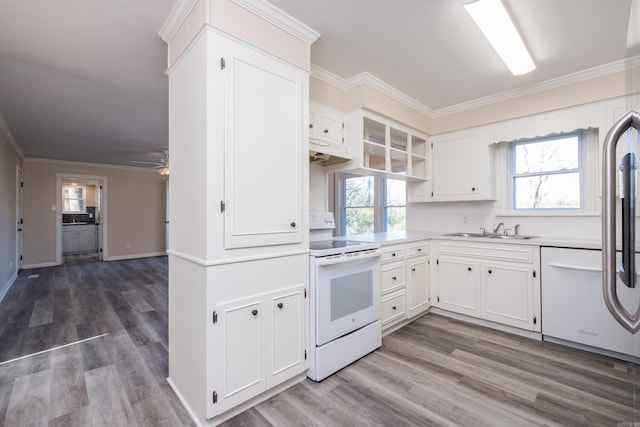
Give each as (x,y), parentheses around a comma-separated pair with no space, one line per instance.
(348,298)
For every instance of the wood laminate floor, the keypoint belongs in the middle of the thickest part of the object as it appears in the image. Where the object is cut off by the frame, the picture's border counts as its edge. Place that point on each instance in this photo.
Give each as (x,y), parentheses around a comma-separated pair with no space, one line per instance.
(107,325)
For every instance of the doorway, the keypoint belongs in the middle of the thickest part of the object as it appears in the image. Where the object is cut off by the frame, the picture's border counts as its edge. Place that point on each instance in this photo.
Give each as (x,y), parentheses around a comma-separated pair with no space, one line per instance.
(19,207)
(81,207)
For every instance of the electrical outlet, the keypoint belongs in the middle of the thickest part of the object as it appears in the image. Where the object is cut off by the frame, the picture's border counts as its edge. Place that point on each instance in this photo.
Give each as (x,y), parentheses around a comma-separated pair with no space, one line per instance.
(464,219)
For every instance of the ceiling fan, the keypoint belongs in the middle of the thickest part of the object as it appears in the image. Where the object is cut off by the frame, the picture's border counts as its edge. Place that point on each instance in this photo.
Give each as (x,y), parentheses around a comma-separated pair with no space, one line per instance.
(161,165)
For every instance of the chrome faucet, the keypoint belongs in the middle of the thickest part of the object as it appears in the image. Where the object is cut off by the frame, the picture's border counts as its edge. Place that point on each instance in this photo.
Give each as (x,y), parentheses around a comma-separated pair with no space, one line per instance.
(517,227)
(495,230)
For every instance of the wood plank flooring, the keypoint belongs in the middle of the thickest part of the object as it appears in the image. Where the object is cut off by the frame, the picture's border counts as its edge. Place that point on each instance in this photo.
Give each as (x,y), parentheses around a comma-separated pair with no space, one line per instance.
(434,372)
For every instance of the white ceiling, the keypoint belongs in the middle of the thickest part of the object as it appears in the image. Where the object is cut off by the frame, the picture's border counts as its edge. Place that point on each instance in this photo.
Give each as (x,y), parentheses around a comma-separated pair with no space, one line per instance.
(84,80)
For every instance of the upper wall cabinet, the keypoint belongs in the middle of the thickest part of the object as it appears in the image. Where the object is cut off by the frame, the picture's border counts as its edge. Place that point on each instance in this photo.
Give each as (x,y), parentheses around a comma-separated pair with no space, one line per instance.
(461,170)
(380,145)
(326,139)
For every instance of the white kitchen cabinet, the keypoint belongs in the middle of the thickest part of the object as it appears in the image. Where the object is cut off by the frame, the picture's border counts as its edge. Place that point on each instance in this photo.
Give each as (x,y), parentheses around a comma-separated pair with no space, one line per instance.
(461,169)
(238,138)
(490,281)
(459,285)
(393,285)
(79,238)
(262,148)
(418,300)
(261,343)
(326,125)
(508,293)
(382,146)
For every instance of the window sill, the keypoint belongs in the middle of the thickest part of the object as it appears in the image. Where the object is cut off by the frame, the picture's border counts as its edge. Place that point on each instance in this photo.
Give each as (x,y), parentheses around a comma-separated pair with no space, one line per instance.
(555,214)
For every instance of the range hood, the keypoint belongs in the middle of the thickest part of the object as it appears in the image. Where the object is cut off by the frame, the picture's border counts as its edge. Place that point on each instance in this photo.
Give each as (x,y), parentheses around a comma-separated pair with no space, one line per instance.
(324,153)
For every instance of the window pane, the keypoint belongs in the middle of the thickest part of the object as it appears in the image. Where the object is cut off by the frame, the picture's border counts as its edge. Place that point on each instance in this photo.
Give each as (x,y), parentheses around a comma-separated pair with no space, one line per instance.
(548,155)
(359,220)
(71,205)
(561,191)
(359,191)
(396,192)
(396,219)
(73,192)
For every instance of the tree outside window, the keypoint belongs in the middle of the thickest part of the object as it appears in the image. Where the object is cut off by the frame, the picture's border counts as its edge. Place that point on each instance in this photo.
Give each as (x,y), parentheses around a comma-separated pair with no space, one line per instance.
(369,204)
(547,173)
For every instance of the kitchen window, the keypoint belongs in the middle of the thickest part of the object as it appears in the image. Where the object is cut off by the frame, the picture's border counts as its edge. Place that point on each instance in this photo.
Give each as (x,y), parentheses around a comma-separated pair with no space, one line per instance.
(369,204)
(548,173)
(73,197)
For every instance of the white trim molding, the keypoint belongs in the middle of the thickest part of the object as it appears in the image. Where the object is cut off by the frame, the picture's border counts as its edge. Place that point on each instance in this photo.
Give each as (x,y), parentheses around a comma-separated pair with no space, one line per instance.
(328,77)
(97,165)
(577,77)
(280,19)
(135,256)
(5,289)
(6,133)
(383,87)
(175,19)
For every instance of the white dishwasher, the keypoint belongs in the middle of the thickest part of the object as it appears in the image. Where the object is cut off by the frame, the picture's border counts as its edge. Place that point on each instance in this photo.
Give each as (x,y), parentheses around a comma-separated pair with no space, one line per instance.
(573,307)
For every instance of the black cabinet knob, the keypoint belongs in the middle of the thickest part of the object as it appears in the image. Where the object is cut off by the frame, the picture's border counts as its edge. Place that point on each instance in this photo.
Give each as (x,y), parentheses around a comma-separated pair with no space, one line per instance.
(469,268)
(419,249)
(394,307)
(293,224)
(489,271)
(473,188)
(310,125)
(280,305)
(326,131)
(393,254)
(413,269)
(394,278)
(254,312)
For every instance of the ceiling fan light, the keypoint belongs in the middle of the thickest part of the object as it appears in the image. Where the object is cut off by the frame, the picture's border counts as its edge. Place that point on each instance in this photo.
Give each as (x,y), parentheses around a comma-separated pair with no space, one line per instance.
(496,25)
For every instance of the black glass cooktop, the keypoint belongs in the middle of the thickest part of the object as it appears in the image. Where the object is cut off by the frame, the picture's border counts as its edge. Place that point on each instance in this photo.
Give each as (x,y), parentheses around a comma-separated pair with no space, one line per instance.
(333,244)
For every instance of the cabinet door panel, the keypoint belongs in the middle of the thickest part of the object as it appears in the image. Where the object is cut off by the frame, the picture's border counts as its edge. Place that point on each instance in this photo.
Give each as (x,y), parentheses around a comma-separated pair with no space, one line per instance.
(417,272)
(263,150)
(288,343)
(455,168)
(458,285)
(241,352)
(508,294)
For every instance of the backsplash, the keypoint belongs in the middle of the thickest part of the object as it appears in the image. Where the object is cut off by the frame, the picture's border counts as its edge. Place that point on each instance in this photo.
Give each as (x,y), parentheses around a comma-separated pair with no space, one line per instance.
(89,217)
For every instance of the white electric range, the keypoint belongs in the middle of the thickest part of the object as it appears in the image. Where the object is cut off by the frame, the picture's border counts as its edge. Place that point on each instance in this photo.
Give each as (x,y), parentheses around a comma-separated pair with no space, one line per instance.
(344,298)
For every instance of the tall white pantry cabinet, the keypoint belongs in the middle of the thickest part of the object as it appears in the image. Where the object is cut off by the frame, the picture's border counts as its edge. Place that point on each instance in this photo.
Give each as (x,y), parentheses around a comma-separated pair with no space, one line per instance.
(238,257)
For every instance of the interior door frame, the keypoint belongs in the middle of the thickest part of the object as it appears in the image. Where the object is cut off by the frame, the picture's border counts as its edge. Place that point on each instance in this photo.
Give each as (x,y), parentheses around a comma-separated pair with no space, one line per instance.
(102,230)
(19,216)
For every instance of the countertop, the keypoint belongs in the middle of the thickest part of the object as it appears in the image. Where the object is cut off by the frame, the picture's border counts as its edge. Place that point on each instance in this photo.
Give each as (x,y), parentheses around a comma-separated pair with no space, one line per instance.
(398,237)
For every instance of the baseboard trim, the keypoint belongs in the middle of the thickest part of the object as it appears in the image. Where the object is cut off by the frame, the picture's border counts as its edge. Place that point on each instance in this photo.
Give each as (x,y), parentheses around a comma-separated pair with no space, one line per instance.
(8,285)
(135,256)
(39,265)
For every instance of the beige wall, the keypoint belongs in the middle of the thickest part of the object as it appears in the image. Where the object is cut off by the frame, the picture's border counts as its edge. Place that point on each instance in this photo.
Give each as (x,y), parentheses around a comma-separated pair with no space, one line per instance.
(135,209)
(8,161)
(233,19)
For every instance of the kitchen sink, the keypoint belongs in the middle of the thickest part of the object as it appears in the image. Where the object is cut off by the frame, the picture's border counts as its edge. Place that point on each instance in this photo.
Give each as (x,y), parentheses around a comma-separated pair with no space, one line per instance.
(492,236)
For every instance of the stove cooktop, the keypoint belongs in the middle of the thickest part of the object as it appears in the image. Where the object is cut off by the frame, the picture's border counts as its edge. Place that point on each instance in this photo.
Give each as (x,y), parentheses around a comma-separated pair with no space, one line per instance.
(336,247)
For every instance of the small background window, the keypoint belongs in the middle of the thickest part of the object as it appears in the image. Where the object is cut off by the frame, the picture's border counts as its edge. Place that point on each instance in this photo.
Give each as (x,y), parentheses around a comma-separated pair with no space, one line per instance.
(73,197)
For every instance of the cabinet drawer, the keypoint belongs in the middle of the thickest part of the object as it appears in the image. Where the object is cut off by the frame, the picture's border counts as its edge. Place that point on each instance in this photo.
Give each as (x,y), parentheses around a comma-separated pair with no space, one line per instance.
(392,277)
(394,253)
(393,308)
(418,249)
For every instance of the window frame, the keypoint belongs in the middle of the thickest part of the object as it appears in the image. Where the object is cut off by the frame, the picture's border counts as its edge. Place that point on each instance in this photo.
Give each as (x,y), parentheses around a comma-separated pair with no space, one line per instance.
(583,136)
(379,201)
(83,198)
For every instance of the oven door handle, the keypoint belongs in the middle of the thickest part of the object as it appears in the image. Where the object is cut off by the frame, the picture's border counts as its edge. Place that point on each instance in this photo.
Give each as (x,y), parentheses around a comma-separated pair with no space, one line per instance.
(340,260)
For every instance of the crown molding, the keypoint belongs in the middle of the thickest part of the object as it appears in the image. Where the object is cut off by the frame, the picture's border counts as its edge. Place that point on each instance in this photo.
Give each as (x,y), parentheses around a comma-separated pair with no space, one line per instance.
(96,165)
(328,77)
(176,17)
(6,133)
(372,81)
(280,19)
(577,77)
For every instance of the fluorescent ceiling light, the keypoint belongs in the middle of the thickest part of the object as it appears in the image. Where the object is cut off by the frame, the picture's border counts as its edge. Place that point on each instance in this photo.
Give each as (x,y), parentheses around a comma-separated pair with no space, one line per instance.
(494,22)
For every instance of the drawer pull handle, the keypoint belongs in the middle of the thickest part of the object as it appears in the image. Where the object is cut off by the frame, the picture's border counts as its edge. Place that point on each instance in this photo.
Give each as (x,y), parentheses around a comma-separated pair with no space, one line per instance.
(280,305)
(394,278)
(393,254)
(419,249)
(254,312)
